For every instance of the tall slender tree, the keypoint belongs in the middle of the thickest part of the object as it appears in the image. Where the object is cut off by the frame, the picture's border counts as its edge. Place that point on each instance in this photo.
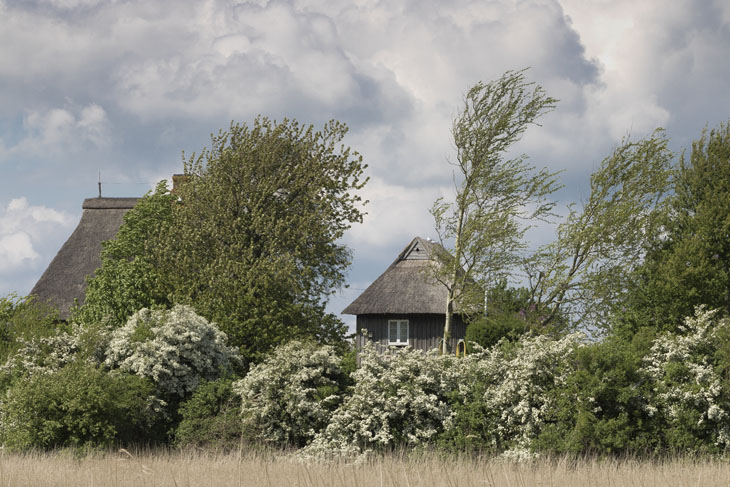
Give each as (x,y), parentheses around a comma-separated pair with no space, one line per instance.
(584,274)
(496,194)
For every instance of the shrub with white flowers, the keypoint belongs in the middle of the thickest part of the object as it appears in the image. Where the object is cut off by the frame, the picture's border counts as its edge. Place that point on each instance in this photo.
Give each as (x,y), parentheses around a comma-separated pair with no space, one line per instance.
(290,396)
(400,398)
(520,382)
(689,392)
(176,349)
(45,355)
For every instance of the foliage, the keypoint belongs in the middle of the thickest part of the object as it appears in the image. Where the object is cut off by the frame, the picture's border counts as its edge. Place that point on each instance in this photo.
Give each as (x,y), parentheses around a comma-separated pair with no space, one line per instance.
(79,405)
(176,349)
(129,277)
(604,406)
(487,331)
(688,263)
(399,399)
(290,396)
(690,396)
(584,273)
(49,354)
(508,316)
(253,245)
(211,417)
(23,318)
(495,194)
(506,394)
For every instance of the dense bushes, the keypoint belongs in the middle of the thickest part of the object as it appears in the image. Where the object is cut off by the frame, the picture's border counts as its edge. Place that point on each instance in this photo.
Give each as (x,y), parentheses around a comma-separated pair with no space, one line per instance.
(77,405)
(90,386)
(168,376)
(290,396)
(507,394)
(175,348)
(399,399)
(211,417)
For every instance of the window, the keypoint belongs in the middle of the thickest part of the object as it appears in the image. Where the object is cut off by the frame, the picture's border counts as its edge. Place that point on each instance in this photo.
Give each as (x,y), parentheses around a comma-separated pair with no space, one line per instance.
(397,332)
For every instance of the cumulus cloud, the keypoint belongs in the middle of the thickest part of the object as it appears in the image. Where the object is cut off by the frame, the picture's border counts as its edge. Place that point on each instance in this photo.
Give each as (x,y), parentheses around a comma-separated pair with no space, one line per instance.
(29,238)
(123,86)
(15,250)
(60,130)
(658,64)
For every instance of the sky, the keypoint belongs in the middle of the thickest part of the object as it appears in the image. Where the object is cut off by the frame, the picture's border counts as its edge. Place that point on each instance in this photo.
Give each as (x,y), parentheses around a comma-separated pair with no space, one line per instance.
(120,88)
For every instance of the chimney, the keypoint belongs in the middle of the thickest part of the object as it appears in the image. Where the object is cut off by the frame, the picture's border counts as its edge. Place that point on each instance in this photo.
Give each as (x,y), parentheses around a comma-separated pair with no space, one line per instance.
(177,181)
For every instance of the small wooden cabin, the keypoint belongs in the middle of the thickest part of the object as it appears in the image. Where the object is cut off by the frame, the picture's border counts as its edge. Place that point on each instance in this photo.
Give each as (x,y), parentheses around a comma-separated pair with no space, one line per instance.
(406,305)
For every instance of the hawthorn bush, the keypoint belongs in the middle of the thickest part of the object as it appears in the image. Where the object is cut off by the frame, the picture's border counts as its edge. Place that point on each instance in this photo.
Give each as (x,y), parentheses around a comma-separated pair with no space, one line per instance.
(176,349)
(290,396)
(399,399)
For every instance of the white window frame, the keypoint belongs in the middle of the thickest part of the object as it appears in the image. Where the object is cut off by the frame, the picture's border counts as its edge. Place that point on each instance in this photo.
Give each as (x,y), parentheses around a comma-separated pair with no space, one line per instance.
(400,340)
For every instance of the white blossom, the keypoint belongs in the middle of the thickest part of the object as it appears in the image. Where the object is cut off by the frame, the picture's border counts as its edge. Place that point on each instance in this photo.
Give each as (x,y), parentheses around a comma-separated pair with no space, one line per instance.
(175,348)
(399,399)
(290,396)
(679,366)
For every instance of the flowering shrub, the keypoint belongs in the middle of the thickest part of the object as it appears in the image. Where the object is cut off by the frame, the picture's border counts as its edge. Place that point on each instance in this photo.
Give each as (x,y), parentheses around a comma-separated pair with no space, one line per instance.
(175,348)
(505,394)
(44,355)
(689,392)
(400,398)
(290,396)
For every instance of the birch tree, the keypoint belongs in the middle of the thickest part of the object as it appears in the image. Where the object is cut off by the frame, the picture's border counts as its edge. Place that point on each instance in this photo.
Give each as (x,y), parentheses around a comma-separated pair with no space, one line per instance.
(497,194)
(585,272)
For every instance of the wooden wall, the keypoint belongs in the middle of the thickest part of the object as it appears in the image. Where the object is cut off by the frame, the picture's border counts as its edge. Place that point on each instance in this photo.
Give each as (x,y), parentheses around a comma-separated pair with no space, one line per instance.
(424,330)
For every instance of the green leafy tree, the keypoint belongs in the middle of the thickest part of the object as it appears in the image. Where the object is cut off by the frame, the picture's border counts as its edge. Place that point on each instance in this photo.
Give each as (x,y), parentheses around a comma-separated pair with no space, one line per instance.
(254,243)
(129,277)
(24,318)
(250,241)
(688,264)
(584,274)
(508,316)
(496,194)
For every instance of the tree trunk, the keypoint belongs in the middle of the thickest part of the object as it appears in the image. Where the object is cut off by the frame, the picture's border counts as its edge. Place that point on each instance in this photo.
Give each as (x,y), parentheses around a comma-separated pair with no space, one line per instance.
(452,289)
(449,320)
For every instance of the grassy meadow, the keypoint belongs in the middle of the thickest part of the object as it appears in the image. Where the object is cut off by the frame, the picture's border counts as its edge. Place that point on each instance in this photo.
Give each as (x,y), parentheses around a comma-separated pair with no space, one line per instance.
(191,468)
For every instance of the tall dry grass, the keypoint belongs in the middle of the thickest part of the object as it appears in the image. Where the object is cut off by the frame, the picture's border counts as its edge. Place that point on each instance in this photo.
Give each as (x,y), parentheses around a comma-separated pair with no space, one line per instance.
(178,469)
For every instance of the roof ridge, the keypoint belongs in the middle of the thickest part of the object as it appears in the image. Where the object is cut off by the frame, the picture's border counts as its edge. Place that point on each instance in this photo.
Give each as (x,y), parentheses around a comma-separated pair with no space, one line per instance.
(106,203)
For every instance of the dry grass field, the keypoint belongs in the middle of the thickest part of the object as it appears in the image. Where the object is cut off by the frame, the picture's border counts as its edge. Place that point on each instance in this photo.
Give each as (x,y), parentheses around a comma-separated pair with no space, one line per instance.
(177,469)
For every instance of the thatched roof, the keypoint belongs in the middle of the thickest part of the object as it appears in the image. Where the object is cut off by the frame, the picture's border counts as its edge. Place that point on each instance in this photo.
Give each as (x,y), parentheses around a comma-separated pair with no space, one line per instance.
(405,287)
(65,278)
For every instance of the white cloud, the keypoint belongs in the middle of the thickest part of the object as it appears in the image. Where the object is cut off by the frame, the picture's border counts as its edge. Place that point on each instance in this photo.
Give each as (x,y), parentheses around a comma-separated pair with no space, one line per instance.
(15,250)
(29,238)
(395,214)
(61,130)
(122,87)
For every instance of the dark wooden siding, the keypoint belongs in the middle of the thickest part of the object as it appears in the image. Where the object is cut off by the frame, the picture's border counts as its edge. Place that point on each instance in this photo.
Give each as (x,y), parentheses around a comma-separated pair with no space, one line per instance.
(424,330)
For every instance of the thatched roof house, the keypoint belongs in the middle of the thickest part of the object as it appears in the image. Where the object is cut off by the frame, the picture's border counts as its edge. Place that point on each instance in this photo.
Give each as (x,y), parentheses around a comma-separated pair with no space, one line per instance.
(406,305)
(65,278)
